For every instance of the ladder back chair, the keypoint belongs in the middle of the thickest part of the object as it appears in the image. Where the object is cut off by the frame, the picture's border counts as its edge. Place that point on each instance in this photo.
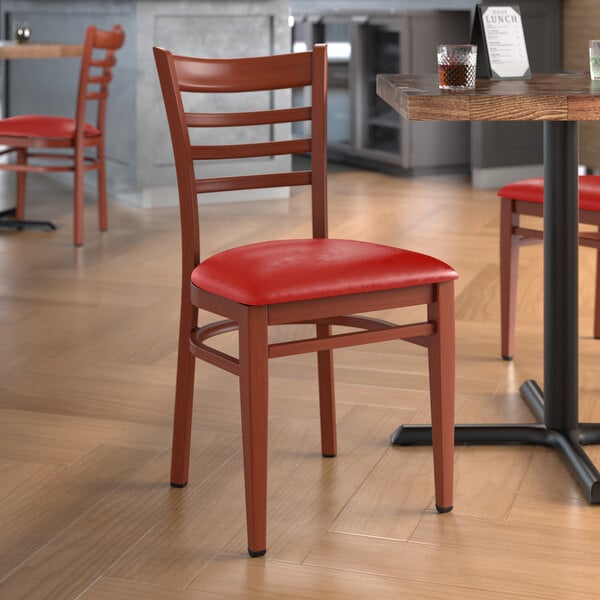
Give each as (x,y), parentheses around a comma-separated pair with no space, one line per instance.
(46,143)
(526,197)
(318,281)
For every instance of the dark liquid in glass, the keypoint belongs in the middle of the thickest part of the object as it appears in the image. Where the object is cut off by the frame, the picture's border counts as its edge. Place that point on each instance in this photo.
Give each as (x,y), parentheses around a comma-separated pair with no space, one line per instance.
(455,75)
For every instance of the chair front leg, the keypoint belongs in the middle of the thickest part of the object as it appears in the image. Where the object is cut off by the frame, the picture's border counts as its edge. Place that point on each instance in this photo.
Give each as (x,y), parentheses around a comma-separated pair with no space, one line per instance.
(442,392)
(326,396)
(253,360)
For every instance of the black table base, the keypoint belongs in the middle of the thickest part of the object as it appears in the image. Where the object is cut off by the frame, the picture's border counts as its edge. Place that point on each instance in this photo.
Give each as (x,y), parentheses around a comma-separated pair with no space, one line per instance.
(7,222)
(557,407)
(569,443)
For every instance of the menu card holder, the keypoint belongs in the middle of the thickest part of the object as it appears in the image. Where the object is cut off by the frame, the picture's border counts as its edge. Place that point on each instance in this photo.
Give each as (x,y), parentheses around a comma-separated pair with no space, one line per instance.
(501,49)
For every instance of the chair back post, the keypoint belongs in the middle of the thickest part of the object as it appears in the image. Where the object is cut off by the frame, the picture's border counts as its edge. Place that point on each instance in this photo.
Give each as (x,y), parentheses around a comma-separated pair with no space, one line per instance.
(319,141)
(80,109)
(184,164)
(109,41)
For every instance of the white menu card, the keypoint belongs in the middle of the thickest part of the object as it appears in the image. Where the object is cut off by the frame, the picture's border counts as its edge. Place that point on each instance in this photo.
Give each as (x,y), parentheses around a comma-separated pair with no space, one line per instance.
(502,51)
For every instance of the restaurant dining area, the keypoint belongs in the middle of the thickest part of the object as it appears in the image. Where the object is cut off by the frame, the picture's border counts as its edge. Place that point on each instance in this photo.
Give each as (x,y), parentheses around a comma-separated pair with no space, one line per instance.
(384,307)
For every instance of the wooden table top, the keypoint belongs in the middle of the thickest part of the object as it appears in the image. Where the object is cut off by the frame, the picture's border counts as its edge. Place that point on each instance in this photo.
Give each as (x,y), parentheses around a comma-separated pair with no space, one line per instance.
(11,50)
(552,97)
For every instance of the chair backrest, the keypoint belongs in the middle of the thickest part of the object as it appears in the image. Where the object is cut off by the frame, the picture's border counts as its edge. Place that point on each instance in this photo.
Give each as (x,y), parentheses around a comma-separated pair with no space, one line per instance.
(95,75)
(191,76)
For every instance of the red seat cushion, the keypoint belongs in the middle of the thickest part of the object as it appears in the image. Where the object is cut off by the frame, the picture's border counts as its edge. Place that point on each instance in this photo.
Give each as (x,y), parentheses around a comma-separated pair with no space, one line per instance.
(288,270)
(42,126)
(532,190)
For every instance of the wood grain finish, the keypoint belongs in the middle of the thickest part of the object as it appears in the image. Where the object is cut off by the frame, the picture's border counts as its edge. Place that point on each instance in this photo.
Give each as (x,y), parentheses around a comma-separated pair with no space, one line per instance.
(86,393)
(555,97)
(12,50)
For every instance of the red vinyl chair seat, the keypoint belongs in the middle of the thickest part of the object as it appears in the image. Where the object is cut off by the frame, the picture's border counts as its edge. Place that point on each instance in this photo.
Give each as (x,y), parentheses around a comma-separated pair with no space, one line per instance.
(532,190)
(43,126)
(290,270)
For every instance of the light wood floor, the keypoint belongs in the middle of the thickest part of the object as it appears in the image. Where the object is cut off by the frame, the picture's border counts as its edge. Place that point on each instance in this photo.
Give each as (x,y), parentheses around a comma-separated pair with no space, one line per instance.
(87,362)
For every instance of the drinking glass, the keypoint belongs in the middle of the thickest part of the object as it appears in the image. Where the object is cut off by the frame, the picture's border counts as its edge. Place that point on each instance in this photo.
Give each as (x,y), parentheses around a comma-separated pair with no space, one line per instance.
(457,65)
(595,59)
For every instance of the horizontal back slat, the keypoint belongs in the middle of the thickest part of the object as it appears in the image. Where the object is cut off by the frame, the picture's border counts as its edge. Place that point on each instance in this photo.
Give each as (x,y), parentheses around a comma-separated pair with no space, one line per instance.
(110,61)
(243,74)
(96,95)
(100,79)
(109,40)
(226,151)
(245,182)
(264,117)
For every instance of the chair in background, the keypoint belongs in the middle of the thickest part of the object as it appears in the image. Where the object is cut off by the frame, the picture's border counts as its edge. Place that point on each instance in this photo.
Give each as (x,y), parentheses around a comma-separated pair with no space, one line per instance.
(45,143)
(318,281)
(526,197)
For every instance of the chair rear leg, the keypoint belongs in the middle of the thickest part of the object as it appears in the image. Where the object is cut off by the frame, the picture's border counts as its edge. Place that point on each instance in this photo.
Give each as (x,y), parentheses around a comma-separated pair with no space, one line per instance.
(253,360)
(597,300)
(21,184)
(326,396)
(184,398)
(509,264)
(442,392)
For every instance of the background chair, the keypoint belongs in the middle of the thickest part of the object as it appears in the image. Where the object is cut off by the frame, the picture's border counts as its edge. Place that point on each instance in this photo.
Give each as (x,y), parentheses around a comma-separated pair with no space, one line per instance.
(526,197)
(316,281)
(50,143)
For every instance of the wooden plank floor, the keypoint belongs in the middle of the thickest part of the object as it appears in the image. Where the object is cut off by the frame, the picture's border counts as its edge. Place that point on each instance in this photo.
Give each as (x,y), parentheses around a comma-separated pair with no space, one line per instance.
(87,364)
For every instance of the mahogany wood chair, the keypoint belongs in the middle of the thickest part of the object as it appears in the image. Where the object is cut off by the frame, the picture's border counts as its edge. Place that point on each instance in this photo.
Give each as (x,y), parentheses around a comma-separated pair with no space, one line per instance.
(526,197)
(51,143)
(318,281)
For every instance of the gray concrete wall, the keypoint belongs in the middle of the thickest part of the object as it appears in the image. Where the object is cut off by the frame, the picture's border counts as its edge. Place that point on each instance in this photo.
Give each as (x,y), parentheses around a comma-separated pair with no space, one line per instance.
(140,166)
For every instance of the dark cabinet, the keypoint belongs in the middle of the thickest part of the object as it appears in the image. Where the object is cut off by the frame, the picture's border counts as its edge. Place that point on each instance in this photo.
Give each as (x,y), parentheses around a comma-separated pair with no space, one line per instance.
(363,129)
